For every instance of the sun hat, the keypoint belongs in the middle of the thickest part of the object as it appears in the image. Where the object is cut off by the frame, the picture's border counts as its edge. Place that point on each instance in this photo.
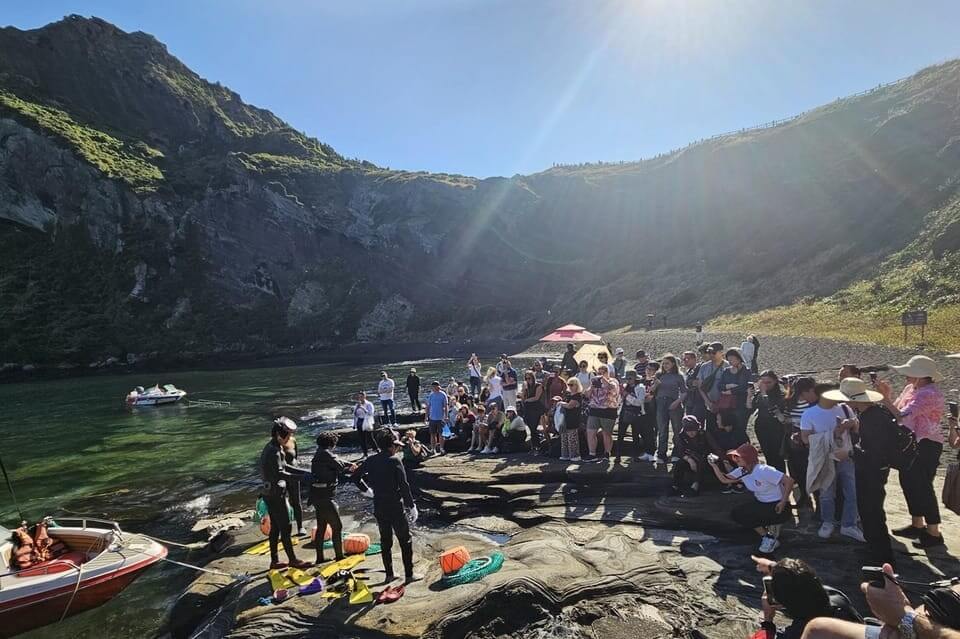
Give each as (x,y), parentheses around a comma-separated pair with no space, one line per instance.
(746,452)
(287,423)
(853,389)
(510,409)
(920,366)
(619,351)
(413,370)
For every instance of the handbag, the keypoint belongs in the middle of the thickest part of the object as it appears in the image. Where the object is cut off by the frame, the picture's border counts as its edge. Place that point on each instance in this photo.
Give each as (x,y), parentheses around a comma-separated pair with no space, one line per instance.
(726,402)
(951,488)
(558,418)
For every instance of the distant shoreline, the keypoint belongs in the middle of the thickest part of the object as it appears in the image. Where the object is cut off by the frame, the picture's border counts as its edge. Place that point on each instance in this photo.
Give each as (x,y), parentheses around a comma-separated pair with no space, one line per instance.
(365,353)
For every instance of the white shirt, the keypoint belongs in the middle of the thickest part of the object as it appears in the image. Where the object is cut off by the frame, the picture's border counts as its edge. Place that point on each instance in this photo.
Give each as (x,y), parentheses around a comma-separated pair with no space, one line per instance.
(747,349)
(818,419)
(763,481)
(385,388)
(365,412)
(496,386)
(473,370)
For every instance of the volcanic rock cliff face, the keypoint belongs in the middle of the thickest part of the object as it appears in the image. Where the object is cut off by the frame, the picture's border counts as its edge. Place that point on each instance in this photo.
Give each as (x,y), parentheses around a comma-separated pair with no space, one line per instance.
(149,209)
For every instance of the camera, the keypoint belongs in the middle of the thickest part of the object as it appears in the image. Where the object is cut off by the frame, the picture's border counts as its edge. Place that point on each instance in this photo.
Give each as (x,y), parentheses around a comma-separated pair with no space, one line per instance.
(874,576)
(712,458)
(768,589)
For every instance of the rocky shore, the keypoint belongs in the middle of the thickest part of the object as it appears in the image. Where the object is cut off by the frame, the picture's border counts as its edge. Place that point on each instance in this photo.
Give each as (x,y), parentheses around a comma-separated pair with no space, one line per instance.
(591,551)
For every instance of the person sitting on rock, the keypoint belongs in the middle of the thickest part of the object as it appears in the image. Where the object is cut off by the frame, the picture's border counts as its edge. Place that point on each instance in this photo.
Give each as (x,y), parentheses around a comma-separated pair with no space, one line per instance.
(494,424)
(798,592)
(770,487)
(414,451)
(480,425)
(693,446)
(513,436)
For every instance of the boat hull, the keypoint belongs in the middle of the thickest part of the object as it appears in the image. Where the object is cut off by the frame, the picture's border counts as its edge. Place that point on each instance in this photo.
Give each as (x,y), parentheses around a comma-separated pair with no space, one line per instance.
(21,615)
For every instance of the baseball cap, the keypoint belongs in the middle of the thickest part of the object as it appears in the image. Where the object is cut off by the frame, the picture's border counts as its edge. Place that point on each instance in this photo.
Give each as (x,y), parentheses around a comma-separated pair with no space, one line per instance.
(716,347)
(746,452)
(435,383)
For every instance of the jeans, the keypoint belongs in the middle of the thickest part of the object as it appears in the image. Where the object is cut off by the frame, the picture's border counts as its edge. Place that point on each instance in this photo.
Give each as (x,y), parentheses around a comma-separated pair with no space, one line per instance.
(666,415)
(387,405)
(475,386)
(846,476)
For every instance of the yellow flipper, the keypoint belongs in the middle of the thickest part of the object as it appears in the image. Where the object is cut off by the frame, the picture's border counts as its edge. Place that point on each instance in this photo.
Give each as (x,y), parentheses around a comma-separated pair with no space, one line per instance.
(349,563)
(361,594)
(298,577)
(331,595)
(278,580)
(263,547)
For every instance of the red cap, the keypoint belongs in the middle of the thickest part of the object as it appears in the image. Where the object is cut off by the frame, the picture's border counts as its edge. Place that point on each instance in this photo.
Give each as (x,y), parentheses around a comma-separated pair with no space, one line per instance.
(746,452)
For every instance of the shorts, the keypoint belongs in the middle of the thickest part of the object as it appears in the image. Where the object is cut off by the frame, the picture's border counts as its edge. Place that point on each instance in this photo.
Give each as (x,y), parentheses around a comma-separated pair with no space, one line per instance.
(436,427)
(601,423)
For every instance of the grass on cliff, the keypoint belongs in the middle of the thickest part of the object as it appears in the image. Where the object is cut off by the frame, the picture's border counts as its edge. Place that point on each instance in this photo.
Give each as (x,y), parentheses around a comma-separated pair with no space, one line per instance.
(117,159)
(923,275)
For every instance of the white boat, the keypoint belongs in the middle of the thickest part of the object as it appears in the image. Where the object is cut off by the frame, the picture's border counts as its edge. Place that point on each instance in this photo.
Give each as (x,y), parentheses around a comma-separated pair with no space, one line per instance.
(100,560)
(155,395)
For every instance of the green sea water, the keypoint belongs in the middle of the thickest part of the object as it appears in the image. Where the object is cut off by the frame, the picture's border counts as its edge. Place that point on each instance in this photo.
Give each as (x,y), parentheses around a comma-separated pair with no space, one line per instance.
(72,448)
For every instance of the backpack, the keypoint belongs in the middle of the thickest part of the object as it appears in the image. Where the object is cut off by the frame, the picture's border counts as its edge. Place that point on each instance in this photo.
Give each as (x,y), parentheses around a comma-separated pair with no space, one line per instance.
(902,450)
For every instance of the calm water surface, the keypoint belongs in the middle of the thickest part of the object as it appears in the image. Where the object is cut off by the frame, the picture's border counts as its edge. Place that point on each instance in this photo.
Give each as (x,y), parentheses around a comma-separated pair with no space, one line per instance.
(73,449)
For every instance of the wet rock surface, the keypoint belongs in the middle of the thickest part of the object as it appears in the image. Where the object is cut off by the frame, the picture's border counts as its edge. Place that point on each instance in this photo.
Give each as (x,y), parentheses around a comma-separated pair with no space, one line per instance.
(592,550)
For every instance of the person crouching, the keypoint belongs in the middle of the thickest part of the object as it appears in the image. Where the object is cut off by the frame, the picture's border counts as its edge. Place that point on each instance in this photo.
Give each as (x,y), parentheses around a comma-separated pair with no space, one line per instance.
(769,486)
(693,446)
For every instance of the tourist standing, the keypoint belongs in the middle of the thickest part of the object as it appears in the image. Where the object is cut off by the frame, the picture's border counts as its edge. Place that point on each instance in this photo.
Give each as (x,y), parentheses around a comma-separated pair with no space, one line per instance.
(413,390)
(877,430)
(532,403)
(642,361)
(919,407)
(708,383)
(802,393)
(749,349)
(771,421)
(571,404)
(363,413)
(385,391)
(732,409)
(619,365)
(603,402)
(604,361)
(583,375)
(274,472)
(692,401)
(437,406)
(475,372)
(632,415)
(511,383)
(825,428)
(569,362)
(669,391)
(495,388)
(385,474)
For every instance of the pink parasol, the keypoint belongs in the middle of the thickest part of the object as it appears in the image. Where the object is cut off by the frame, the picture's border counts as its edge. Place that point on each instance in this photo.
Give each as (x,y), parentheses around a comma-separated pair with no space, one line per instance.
(571,333)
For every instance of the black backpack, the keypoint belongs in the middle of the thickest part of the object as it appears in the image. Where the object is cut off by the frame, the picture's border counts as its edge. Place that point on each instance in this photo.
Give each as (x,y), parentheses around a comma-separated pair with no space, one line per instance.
(902,444)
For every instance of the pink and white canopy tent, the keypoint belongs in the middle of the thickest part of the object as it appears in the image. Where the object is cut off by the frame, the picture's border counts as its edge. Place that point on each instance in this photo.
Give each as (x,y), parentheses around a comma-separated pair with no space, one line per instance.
(571,333)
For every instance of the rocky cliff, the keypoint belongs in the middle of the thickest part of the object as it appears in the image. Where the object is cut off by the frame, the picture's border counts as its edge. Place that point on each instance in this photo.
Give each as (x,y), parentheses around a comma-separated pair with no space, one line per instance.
(147,209)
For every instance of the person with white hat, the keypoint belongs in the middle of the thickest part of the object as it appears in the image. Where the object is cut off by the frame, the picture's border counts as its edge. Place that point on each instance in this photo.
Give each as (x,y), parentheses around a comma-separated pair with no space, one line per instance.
(919,407)
(619,364)
(877,431)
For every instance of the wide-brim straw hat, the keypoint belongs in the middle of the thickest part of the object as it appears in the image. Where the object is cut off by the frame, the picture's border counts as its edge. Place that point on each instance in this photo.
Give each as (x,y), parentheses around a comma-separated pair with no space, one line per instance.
(853,389)
(920,366)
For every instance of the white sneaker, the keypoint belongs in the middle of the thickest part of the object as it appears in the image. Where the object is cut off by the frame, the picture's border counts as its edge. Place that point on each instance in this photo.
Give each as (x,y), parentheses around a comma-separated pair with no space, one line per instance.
(826,531)
(674,460)
(485,451)
(646,457)
(575,459)
(495,451)
(768,544)
(853,533)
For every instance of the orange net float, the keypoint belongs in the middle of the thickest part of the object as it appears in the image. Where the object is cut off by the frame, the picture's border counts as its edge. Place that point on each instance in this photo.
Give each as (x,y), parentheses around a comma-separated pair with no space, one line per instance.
(327,534)
(454,559)
(356,544)
(265,525)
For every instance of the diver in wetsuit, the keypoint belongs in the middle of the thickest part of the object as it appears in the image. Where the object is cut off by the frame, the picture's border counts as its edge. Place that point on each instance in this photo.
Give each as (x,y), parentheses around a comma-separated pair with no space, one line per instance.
(391,494)
(274,472)
(327,471)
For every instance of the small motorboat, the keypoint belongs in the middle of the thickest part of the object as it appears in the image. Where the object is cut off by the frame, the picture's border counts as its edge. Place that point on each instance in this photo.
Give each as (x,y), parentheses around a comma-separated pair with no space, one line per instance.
(155,395)
(99,561)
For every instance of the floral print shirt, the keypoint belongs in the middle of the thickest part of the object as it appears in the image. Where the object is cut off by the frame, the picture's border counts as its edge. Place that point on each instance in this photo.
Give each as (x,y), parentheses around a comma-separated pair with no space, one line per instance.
(921,410)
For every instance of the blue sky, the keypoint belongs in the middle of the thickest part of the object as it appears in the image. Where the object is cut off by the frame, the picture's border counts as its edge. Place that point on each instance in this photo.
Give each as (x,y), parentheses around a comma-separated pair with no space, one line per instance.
(497,87)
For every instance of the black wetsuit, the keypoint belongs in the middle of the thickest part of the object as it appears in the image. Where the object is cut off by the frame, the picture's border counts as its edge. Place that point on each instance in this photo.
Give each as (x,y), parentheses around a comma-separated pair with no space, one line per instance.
(293,488)
(391,492)
(326,470)
(273,471)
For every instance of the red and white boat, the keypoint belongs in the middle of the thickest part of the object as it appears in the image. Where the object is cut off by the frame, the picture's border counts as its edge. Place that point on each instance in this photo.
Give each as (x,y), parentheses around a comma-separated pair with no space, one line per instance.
(100,561)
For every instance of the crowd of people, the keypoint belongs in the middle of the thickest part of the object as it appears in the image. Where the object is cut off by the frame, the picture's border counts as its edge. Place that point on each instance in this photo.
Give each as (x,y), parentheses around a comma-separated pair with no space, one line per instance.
(715,421)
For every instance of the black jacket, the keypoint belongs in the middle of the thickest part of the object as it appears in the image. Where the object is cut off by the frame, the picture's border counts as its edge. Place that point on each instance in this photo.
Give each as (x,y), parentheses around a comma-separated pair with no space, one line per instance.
(413,383)
(569,362)
(326,470)
(385,475)
(878,437)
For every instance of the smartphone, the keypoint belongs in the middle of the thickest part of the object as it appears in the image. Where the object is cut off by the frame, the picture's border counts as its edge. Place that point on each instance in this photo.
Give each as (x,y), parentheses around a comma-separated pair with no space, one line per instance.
(768,589)
(954,409)
(875,576)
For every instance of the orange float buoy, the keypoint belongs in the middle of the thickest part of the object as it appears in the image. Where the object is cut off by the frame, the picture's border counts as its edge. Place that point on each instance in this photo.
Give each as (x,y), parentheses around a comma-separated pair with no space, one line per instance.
(265,525)
(356,544)
(327,534)
(454,559)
